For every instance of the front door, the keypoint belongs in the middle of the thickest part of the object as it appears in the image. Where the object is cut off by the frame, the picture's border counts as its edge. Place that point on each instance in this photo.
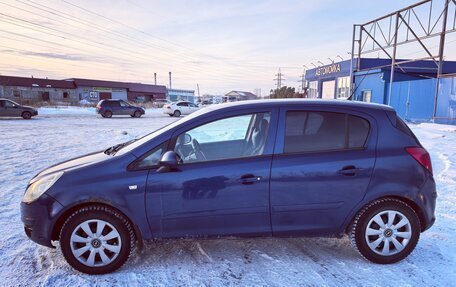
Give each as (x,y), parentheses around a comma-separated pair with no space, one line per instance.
(11,109)
(215,191)
(321,169)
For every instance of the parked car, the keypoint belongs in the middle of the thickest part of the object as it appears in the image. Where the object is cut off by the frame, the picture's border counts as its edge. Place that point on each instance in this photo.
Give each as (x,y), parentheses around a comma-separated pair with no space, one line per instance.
(112,107)
(256,168)
(9,108)
(159,103)
(177,109)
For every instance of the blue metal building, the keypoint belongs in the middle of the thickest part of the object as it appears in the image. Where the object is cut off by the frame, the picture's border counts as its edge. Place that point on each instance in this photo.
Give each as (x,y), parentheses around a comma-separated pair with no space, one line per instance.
(413,91)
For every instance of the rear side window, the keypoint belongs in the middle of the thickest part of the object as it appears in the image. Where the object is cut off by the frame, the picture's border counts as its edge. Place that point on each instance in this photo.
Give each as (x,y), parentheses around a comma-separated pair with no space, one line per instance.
(323,131)
(403,127)
(112,103)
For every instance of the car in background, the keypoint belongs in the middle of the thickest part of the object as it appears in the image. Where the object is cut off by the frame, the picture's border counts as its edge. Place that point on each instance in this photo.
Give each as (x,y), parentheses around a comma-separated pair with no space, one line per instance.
(112,107)
(159,103)
(9,108)
(253,168)
(176,109)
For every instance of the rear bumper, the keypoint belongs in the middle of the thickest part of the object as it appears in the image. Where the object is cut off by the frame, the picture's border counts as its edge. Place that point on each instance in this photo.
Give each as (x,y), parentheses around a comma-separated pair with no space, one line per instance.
(427,198)
(39,218)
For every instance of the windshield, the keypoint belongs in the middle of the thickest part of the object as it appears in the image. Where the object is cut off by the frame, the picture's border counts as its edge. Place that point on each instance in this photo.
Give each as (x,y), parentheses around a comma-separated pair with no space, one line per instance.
(148,137)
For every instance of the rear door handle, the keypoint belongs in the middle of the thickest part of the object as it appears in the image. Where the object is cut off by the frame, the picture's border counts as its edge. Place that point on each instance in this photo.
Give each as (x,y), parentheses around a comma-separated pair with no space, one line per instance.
(350,170)
(249,179)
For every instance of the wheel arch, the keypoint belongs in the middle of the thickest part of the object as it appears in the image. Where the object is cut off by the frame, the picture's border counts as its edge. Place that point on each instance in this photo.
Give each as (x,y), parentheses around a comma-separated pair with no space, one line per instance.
(404,199)
(62,218)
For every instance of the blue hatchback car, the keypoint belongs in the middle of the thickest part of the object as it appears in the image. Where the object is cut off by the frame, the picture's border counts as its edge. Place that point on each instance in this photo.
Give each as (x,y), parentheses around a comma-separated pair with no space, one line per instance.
(257,168)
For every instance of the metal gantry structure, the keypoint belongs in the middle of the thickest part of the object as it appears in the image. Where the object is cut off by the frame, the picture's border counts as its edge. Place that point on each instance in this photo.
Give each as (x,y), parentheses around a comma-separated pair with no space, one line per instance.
(423,24)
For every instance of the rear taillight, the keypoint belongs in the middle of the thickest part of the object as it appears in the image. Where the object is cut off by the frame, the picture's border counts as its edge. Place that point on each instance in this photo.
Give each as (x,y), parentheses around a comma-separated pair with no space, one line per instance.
(421,156)
(166,106)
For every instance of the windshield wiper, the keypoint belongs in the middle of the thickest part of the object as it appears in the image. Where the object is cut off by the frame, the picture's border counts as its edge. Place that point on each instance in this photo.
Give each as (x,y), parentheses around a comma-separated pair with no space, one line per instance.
(112,150)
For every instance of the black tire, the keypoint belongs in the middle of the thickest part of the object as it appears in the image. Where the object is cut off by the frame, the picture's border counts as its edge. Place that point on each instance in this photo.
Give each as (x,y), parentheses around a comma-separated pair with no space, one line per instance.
(108,114)
(177,113)
(106,214)
(137,114)
(26,115)
(357,232)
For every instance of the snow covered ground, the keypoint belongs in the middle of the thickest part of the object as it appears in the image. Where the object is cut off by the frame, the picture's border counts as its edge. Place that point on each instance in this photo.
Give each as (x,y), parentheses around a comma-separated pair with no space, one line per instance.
(58,134)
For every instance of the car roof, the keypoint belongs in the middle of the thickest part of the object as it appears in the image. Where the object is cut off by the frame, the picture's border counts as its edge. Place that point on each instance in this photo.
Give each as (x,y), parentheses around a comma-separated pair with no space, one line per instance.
(309,102)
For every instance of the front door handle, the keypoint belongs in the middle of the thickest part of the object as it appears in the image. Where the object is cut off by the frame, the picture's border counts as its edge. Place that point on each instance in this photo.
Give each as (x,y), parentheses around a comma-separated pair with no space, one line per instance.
(350,170)
(249,179)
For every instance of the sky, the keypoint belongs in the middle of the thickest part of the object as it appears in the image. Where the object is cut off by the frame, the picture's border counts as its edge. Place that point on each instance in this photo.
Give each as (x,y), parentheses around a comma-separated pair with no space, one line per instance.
(218,45)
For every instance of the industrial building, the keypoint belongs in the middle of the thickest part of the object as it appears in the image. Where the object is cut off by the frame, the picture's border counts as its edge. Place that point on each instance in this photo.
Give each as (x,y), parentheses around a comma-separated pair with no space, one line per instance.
(235,96)
(420,88)
(414,86)
(95,90)
(71,91)
(31,90)
(181,95)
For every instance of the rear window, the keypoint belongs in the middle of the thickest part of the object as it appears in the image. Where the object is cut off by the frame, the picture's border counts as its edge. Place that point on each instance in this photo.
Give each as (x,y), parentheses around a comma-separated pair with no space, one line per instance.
(324,131)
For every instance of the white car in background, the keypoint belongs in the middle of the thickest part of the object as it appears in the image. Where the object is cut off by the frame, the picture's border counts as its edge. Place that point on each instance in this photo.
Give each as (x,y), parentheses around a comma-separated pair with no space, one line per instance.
(180,108)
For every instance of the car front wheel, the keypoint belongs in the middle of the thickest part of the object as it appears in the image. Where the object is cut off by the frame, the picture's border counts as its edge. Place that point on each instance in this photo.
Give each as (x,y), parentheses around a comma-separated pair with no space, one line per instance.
(385,231)
(96,239)
(26,115)
(137,114)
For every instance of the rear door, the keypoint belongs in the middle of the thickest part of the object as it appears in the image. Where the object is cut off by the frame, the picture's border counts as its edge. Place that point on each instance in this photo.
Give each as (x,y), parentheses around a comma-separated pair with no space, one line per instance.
(183,108)
(321,169)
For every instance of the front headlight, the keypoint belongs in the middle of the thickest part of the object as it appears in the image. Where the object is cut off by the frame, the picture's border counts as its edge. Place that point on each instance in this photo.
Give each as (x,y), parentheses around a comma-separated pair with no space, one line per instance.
(36,189)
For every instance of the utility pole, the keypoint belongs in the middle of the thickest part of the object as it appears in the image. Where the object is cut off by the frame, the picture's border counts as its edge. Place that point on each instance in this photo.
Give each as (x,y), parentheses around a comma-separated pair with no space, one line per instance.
(303,80)
(170,80)
(279,79)
(155,78)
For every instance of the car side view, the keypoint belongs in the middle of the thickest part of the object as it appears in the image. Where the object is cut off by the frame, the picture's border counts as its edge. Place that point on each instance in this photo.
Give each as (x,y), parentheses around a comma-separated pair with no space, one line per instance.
(110,107)
(257,168)
(9,108)
(176,109)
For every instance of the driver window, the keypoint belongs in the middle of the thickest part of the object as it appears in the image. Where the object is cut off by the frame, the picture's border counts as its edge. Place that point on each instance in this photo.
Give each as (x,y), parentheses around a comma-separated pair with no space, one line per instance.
(9,104)
(124,104)
(234,137)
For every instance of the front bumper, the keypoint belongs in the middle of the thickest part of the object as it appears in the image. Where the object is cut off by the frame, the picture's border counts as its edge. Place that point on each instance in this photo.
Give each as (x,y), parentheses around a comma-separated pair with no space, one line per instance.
(35,112)
(39,218)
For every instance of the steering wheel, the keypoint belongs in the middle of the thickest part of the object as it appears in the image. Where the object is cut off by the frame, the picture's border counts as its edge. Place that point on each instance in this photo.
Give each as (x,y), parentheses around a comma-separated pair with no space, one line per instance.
(197,150)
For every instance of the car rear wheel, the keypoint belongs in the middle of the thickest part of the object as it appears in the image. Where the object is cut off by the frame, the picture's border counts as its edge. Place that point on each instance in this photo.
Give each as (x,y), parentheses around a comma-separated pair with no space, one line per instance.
(108,114)
(96,239)
(137,114)
(385,231)
(177,113)
(26,115)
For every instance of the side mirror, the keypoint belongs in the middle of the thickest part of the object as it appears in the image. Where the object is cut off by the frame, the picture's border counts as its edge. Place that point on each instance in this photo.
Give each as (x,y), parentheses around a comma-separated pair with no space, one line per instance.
(169,161)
